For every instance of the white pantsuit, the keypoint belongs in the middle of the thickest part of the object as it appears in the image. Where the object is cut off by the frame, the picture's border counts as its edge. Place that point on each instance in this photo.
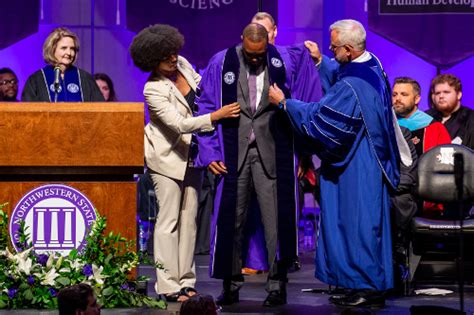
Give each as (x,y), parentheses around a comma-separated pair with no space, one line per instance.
(175,230)
(167,142)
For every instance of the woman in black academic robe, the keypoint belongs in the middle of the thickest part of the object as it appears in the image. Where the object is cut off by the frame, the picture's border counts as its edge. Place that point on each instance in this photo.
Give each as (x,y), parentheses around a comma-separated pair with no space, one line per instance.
(60,80)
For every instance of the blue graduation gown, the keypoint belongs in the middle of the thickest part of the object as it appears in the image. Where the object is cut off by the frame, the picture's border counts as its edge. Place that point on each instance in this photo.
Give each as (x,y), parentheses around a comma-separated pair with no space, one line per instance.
(351,130)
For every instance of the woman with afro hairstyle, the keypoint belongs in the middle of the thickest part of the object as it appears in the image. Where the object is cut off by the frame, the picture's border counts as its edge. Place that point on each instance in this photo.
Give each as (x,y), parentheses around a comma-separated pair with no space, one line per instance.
(170,150)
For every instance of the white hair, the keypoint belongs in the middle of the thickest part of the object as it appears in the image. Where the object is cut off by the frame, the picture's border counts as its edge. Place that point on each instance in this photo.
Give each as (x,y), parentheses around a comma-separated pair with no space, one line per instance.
(351,32)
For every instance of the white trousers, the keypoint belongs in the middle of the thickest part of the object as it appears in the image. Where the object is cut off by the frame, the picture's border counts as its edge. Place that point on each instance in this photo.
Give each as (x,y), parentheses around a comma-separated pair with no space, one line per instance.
(175,230)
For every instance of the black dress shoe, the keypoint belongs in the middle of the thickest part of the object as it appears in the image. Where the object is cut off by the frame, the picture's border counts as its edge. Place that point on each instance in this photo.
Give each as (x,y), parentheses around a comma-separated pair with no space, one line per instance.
(363,298)
(340,294)
(228,297)
(172,297)
(275,298)
(335,298)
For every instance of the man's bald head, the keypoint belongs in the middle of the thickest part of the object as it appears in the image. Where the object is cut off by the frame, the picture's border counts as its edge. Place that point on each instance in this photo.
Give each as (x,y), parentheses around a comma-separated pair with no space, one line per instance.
(255,33)
(254,44)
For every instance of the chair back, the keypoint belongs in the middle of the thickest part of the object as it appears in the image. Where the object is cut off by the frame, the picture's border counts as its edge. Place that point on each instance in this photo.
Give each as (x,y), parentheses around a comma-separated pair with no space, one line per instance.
(436,180)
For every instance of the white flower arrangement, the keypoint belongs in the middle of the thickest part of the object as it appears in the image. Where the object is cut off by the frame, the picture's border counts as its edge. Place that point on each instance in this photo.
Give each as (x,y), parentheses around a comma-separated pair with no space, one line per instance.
(32,280)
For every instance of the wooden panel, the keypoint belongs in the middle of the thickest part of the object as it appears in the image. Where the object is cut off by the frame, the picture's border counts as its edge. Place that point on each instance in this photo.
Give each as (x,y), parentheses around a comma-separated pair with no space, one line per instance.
(71,134)
(114,200)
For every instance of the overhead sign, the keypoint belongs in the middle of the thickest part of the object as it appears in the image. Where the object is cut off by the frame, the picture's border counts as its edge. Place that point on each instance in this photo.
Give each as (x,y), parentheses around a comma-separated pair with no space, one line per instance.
(438,31)
(426,6)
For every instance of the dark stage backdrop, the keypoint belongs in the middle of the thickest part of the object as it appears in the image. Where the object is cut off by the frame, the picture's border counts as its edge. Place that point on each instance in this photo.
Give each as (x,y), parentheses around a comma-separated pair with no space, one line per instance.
(440,32)
(101,27)
(19,19)
(208,26)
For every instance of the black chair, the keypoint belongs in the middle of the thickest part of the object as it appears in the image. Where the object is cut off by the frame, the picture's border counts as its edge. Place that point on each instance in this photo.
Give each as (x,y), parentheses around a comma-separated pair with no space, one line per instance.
(434,251)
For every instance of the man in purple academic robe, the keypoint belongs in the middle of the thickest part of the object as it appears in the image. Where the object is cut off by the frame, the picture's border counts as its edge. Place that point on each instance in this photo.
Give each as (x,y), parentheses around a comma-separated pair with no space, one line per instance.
(255,152)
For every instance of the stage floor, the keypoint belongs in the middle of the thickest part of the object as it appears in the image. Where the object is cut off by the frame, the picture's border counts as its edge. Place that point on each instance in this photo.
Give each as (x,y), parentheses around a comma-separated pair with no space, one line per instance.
(253,294)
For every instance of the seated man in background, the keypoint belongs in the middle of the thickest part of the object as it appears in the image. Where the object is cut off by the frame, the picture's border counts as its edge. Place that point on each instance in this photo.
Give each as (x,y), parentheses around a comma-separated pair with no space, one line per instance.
(8,85)
(426,132)
(446,94)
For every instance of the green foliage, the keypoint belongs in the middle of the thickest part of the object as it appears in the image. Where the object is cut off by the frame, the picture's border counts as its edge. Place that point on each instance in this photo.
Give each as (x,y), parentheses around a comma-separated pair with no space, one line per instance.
(3,227)
(31,280)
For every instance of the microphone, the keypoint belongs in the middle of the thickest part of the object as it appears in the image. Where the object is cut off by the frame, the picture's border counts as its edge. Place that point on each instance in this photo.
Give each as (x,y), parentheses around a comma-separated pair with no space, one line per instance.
(57,73)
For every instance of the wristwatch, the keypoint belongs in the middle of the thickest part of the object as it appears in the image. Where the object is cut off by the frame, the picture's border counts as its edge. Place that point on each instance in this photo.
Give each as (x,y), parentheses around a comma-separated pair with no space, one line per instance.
(282,104)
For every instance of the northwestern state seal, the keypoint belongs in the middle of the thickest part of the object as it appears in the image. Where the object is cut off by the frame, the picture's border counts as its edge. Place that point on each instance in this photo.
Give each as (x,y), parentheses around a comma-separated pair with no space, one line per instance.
(57,218)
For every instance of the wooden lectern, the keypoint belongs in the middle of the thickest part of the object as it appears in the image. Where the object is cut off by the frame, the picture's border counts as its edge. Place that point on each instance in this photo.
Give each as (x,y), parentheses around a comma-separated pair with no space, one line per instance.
(93,147)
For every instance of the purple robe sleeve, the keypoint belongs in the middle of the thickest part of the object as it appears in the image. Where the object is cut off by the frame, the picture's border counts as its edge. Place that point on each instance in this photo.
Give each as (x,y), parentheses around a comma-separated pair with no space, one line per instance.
(302,74)
(210,143)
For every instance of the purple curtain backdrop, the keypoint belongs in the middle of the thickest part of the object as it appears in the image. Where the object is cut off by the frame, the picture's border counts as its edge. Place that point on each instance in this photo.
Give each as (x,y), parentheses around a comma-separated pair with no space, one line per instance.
(298,20)
(440,34)
(19,19)
(207,27)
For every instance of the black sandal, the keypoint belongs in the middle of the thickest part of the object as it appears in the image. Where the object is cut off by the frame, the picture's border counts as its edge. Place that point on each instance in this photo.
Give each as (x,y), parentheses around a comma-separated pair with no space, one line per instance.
(172,297)
(186,290)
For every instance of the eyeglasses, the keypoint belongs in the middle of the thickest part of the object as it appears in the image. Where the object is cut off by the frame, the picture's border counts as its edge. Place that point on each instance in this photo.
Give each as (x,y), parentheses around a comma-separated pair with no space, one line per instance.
(11,81)
(333,48)
(170,59)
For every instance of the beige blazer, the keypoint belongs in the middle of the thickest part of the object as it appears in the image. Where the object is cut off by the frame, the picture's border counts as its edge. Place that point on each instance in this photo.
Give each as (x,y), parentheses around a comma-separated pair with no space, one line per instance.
(168,134)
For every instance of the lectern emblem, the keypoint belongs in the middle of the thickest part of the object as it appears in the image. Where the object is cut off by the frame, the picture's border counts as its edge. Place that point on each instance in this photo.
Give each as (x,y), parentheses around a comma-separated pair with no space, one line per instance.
(57,217)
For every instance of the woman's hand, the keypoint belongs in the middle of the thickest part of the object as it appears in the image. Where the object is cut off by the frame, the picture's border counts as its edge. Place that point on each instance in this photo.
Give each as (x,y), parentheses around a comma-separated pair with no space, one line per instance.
(227,111)
(217,168)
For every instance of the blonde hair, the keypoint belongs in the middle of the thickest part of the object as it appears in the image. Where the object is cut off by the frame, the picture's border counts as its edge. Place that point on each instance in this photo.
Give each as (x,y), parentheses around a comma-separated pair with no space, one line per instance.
(51,43)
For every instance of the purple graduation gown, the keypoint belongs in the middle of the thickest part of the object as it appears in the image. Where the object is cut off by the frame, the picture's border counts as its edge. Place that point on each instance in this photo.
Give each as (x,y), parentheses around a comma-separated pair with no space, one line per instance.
(302,79)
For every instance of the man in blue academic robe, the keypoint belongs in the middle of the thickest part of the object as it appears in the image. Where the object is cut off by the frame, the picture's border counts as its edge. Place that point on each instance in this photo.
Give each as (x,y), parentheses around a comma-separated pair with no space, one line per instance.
(255,152)
(352,130)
